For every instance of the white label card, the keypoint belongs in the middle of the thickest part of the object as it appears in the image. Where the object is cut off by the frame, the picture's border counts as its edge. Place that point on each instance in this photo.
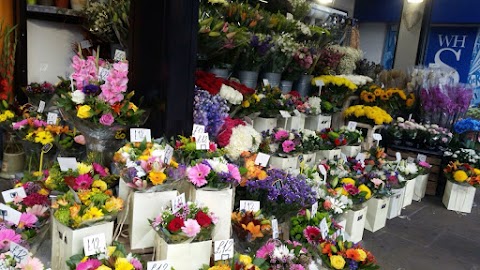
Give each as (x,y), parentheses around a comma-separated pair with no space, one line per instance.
(9,195)
(265,82)
(377,136)
(9,214)
(322,170)
(223,250)
(409,117)
(52,118)
(296,113)
(398,156)
(168,154)
(319,83)
(247,205)
(140,135)
(94,244)
(285,114)
(67,163)
(120,55)
(202,141)
(20,254)
(103,73)
(41,106)
(262,159)
(275,232)
(84,44)
(360,157)
(324,228)
(352,125)
(197,129)
(314,209)
(421,157)
(410,160)
(158,265)
(178,203)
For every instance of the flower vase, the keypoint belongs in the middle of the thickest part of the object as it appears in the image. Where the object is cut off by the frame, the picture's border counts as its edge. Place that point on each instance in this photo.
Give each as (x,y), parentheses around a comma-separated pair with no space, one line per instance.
(458,197)
(286,86)
(409,191)
(304,84)
(13,158)
(273,78)
(396,203)
(420,187)
(355,223)
(220,72)
(318,122)
(376,214)
(183,256)
(327,154)
(263,124)
(248,78)
(289,162)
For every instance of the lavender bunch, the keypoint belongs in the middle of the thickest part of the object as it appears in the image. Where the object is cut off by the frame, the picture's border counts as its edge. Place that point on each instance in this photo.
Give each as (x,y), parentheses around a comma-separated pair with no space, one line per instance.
(209,111)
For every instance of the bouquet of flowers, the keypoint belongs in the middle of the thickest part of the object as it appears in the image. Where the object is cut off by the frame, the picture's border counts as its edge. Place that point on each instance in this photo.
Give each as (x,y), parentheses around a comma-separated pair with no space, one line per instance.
(210,111)
(37,92)
(8,261)
(282,52)
(253,172)
(302,63)
(312,106)
(281,142)
(367,114)
(328,61)
(237,137)
(250,229)
(6,115)
(408,170)
(392,100)
(463,174)
(391,176)
(255,53)
(305,227)
(8,236)
(285,255)
(354,137)
(186,150)
(343,255)
(310,141)
(268,102)
(213,173)
(423,167)
(116,258)
(336,89)
(240,262)
(331,139)
(358,192)
(374,180)
(192,223)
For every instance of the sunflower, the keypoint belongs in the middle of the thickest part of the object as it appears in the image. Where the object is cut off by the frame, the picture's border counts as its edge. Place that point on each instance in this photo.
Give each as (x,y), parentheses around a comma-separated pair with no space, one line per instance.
(390,92)
(378,92)
(369,97)
(384,97)
(410,100)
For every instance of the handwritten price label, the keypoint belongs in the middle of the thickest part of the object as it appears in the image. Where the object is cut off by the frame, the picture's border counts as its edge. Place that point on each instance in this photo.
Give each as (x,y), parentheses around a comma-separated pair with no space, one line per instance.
(178,203)
(314,208)
(275,231)
(197,129)
(9,214)
(52,118)
(120,55)
(140,135)
(158,265)
(41,106)
(262,159)
(285,114)
(421,157)
(103,73)
(324,228)
(352,125)
(67,163)
(377,136)
(247,205)
(265,82)
(94,244)
(202,141)
(9,195)
(168,154)
(223,250)
(20,254)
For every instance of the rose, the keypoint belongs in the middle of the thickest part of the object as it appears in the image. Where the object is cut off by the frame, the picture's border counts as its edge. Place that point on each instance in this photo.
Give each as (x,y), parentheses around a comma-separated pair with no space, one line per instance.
(78,97)
(107,119)
(337,261)
(203,219)
(84,111)
(175,224)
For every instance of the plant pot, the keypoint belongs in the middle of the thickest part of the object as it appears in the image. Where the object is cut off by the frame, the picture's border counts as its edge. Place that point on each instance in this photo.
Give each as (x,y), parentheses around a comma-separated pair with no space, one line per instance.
(262,124)
(420,187)
(396,202)
(292,123)
(248,78)
(376,214)
(458,197)
(273,78)
(45,2)
(183,256)
(286,86)
(303,85)
(62,3)
(13,162)
(220,72)
(78,5)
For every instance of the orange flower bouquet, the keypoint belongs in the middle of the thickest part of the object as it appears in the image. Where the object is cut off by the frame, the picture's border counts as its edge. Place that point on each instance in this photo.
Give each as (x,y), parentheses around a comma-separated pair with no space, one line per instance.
(251,230)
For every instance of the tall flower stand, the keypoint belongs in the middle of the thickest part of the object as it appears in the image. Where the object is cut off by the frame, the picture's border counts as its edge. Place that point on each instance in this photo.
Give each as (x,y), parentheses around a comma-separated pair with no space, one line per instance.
(318,122)
(144,206)
(355,223)
(295,122)
(183,256)
(458,197)
(327,154)
(351,150)
(263,124)
(308,159)
(396,203)
(67,242)
(409,191)
(420,187)
(290,162)
(376,214)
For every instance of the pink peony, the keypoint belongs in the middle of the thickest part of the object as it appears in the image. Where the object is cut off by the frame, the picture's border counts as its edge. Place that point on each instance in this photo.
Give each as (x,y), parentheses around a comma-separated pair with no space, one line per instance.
(281,135)
(7,236)
(266,250)
(234,172)
(107,119)
(377,182)
(99,169)
(191,228)
(288,146)
(197,174)
(27,220)
(83,182)
(31,263)
(90,264)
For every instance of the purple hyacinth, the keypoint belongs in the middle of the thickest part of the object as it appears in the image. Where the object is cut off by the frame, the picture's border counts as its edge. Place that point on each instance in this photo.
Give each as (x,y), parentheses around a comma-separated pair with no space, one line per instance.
(209,111)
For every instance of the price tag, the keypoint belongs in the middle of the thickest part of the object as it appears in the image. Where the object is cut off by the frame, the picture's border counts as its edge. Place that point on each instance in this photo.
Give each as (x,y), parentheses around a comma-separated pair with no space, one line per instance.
(314,209)
(324,228)
(275,232)
(47,147)
(94,244)
(168,154)
(52,118)
(410,160)
(246,205)
(319,83)
(262,159)
(85,44)
(223,250)
(398,156)
(296,113)
(41,106)
(178,203)
(202,141)
(103,73)
(285,114)
(9,214)
(377,136)
(198,129)
(344,157)
(352,125)
(323,171)
(265,82)
(421,157)
(140,135)
(20,254)
(360,157)
(67,163)
(9,195)
(409,117)
(158,265)
(120,55)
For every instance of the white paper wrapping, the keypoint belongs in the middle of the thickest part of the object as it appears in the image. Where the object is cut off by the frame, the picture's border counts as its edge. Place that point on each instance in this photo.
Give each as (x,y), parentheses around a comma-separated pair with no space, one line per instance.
(318,122)
(123,191)
(420,187)
(396,203)
(262,124)
(351,150)
(376,214)
(283,162)
(144,206)
(355,224)
(309,159)
(67,242)
(327,154)
(458,198)
(409,191)
(183,256)
(294,122)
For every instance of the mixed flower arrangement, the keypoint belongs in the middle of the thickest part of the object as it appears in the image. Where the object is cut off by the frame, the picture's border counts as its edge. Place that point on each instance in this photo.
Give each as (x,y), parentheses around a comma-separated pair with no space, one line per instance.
(8,261)
(344,255)
(186,150)
(285,255)
(250,229)
(354,137)
(462,173)
(355,190)
(281,142)
(305,227)
(336,89)
(214,173)
(236,137)
(331,139)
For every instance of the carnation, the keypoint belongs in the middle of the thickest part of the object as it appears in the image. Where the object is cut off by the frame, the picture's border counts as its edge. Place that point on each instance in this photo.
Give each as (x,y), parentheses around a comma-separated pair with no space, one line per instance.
(244,138)
(231,95)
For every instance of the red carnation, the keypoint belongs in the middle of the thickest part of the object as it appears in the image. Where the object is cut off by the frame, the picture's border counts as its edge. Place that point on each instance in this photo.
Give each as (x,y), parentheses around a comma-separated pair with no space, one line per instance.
(208,82)
(69,180)
(34,199)
(294,94)
(203,219)
(223,137)
(175,225)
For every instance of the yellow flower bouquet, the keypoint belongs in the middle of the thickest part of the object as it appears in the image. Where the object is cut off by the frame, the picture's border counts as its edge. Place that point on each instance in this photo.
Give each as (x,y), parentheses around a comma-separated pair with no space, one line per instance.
(463,174)
(392,100)
(336,90)
(368,114)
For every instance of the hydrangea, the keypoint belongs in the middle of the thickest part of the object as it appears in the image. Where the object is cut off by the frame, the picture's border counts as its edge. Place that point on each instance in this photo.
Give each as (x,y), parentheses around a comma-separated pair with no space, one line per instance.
(244,138)
(209,111)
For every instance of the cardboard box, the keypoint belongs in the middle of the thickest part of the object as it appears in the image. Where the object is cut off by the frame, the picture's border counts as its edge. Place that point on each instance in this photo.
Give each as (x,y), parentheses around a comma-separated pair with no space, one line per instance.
(458,197)
(355,224)
(318,122)
(409,190)
(376,214)
(283,162)
(396,203)
(183,256)
(420,187)
(294,122)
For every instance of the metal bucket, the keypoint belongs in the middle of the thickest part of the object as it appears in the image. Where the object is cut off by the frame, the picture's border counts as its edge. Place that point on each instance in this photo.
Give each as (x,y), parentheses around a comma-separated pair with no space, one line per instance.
(286,86)
(248,78)
(273,78)
(304,84)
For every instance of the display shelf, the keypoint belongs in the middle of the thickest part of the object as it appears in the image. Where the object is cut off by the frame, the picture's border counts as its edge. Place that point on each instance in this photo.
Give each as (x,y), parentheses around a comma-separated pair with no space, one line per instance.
(417,150)
(52,13)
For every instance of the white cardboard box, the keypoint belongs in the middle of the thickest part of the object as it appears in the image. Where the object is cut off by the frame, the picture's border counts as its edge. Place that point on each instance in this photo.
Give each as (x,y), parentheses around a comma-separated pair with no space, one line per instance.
(294,122)
(355,224)
(220,202)
(318,122)
(283,162)
(146,205)
(396,203)
(308,158)
(262,124)
(327,154)
(67,242)
(351,150)
(183,256)
(420,187)
(409,191)
(458,197)
(376,214)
